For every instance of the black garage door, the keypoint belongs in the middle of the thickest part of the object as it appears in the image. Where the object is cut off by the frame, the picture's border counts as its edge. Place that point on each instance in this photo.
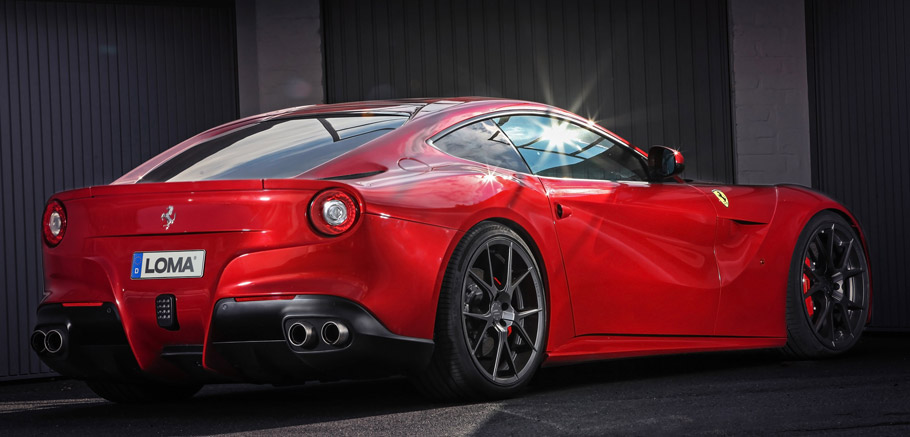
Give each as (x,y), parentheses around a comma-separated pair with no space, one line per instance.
(859,55)
(653,71)
(88,91)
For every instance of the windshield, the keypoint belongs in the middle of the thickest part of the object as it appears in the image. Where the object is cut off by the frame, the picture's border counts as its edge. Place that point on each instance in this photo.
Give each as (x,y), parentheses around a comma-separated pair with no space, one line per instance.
(271,149)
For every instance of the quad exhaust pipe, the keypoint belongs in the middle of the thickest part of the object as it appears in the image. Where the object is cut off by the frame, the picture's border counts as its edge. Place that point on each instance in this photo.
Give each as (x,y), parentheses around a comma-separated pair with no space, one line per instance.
(301,334)
(51,341)
(335,334)
(37,341)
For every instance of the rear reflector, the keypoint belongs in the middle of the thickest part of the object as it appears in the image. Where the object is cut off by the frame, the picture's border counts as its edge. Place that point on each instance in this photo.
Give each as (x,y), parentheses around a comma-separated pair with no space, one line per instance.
(273,297)
(83,304)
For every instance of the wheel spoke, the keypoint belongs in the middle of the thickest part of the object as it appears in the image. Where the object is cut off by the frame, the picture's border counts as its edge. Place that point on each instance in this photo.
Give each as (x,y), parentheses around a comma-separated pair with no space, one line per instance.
(480,338)
(818,248)
(509,358)
(847,251)
(523,314)
(524,335)
(813,289)
(813,277)
(498,352)
(831,324)
(822,317)
(519,281)
(853,306)
(830,260)
(845,314)
(851,273)
(490,261)
(482,284)
(508,285)
(485,317)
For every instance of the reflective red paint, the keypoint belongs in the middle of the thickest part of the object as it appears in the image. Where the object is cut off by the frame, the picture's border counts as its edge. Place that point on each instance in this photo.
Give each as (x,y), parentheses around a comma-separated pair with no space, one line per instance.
(630,268)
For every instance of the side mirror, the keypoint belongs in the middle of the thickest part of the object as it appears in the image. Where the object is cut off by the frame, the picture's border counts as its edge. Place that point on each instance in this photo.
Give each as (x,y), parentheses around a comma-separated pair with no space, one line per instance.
(664,162)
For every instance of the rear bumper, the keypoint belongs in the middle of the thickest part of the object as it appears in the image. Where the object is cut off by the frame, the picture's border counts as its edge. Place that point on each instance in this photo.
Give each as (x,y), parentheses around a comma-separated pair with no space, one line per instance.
(251,339)
(247,341)
(94,344)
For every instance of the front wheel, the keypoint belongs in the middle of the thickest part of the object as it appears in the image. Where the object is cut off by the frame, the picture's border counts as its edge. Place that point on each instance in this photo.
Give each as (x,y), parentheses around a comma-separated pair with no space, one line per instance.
(491,323)
(828,289)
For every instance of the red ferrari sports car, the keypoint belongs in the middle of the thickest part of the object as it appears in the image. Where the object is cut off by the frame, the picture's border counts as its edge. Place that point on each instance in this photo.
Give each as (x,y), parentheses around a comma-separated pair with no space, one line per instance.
(463,242)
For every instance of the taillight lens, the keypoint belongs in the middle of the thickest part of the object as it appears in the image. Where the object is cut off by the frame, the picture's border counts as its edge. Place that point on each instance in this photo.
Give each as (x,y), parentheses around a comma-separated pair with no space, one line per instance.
(54,223)
(333,212)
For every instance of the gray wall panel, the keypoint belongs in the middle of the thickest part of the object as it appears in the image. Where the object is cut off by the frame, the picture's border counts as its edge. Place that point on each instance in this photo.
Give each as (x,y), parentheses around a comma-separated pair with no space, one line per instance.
(88,91)
(859,96)
(654,71)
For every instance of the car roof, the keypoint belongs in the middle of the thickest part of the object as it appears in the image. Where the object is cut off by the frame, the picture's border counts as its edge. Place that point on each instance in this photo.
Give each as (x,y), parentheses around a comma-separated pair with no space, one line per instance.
(414,107)
(425,115)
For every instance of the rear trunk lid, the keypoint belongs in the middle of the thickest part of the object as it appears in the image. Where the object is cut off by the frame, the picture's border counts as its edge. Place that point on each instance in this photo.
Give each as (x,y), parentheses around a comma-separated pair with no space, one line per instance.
(212,222)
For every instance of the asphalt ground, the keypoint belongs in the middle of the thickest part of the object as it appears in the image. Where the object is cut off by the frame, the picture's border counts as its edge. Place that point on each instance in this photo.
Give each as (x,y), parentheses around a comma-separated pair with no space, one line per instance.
(866,392)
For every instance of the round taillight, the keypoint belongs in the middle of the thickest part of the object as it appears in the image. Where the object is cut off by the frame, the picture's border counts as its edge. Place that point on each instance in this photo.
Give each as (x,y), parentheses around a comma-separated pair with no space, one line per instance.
(54,223)
(333,212)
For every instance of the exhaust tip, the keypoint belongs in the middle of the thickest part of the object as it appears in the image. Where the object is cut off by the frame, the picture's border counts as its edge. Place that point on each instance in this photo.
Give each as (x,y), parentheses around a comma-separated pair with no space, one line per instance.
(335,334)
(37,341)
(300,334)
(53,341)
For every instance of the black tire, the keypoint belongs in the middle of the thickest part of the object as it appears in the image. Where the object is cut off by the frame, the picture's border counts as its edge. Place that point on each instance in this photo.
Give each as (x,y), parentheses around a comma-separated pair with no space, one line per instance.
(491,322)
(827,289)
(134,393)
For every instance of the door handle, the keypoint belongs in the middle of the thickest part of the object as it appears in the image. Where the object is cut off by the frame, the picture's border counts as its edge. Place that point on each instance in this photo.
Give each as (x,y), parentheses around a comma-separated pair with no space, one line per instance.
(562,211)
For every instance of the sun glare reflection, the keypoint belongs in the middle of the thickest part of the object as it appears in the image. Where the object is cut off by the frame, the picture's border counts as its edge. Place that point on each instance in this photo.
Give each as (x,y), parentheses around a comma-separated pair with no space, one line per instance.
(489,180)
(557,135)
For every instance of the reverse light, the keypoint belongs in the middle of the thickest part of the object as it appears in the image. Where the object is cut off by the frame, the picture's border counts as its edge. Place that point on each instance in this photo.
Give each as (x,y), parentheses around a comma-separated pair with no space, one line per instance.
(333,212)
(54,223)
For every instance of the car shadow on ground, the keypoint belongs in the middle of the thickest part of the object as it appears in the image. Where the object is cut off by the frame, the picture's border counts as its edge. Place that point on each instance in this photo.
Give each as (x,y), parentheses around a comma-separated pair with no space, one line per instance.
(393,406)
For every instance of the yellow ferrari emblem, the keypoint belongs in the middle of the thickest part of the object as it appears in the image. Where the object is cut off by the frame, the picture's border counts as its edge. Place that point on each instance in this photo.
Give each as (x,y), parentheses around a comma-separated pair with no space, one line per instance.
(722,197)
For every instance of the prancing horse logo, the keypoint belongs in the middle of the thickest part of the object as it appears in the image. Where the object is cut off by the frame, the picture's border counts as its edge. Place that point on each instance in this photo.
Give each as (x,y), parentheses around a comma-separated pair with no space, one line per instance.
(721,197)
(168,217)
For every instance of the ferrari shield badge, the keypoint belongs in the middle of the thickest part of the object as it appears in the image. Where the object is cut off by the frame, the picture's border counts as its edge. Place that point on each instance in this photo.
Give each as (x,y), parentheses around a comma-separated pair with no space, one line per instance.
(722,197)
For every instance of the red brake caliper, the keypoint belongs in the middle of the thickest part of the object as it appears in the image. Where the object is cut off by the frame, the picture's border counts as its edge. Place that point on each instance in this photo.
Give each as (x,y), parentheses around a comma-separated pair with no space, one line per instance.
(810,308)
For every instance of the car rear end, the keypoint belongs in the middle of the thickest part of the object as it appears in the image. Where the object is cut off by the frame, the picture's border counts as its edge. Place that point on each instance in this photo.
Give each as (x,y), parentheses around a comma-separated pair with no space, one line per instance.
(191,275)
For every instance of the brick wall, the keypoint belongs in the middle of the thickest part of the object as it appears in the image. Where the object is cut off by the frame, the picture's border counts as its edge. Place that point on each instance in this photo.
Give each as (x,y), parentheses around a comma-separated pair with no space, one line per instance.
(770,92)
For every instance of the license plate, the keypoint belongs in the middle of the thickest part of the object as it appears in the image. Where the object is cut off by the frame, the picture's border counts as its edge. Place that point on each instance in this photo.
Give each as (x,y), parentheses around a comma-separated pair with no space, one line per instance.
(169,264)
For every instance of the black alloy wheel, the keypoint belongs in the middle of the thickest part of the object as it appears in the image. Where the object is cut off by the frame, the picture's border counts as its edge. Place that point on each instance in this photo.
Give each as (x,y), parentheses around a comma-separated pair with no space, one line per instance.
(829,289)
(502,302)
(491,325)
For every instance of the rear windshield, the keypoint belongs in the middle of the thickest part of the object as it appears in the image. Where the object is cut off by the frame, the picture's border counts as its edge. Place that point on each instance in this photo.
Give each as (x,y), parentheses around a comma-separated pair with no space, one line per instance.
(274,149)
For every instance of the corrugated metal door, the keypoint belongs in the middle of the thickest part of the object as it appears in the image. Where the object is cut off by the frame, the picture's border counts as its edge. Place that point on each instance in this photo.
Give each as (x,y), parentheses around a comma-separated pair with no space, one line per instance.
(654,71)
(88,91)
(859,96)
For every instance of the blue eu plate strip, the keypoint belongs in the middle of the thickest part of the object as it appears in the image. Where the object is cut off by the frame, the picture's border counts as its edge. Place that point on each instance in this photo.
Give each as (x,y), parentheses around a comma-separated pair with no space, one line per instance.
(137,265)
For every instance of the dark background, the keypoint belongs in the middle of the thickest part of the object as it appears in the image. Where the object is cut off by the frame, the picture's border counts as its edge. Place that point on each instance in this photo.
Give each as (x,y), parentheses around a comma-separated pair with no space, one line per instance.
(89,90)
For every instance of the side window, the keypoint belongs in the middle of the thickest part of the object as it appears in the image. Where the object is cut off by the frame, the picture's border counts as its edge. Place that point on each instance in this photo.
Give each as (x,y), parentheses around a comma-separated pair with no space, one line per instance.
(557,148)
(482,142)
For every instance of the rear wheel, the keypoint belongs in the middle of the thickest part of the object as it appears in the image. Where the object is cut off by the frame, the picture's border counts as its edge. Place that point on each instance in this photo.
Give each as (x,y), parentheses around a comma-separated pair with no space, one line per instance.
(134,393)
(491,323)
(828,289)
